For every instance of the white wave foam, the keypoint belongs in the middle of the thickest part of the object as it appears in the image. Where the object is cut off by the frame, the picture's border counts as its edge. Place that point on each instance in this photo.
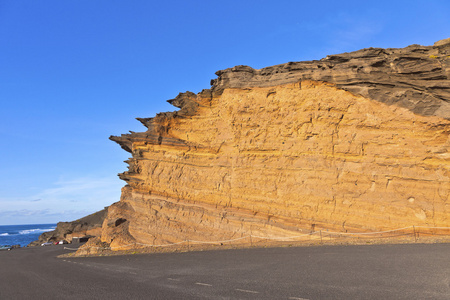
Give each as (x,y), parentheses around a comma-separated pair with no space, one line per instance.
(4,234)
(36,230)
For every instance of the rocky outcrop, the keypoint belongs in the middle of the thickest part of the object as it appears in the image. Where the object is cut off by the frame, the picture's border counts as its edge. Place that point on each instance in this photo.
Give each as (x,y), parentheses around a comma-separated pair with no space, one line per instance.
(90,225)
(415,77)
(357,141)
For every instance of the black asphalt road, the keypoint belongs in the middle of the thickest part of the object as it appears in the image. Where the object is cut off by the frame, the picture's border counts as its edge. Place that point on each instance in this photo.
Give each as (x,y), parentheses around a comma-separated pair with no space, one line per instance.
(416,271)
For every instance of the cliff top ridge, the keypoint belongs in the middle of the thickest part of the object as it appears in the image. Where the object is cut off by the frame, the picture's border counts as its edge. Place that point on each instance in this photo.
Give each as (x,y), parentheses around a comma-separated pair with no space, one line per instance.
(415,77)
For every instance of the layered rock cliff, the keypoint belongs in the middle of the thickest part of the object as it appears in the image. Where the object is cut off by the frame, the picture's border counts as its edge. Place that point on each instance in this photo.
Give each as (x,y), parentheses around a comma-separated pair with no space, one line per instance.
(357,141)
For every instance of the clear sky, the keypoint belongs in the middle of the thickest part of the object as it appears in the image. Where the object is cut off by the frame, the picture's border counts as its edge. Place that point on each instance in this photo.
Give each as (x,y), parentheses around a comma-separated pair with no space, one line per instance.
(74,72)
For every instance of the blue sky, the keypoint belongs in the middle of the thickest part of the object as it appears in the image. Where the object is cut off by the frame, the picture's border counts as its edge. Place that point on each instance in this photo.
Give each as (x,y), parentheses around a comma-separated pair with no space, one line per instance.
(74,72)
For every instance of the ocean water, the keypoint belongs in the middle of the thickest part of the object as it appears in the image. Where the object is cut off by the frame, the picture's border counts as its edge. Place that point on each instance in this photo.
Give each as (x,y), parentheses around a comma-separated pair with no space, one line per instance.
(22,234)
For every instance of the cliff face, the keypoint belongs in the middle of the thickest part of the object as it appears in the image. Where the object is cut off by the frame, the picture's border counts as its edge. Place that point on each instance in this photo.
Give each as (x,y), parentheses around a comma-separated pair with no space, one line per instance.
(357,141)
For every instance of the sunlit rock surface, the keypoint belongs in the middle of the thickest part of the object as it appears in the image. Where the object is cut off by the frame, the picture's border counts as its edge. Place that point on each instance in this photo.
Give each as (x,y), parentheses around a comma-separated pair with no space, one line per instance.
(354,142)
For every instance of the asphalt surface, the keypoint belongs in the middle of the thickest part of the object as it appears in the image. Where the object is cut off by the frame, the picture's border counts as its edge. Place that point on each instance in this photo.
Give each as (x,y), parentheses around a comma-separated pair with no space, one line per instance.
(415,271)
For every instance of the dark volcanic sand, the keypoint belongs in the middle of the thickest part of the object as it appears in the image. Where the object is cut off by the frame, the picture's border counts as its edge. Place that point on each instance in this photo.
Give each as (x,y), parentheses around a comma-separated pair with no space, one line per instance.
(415,271)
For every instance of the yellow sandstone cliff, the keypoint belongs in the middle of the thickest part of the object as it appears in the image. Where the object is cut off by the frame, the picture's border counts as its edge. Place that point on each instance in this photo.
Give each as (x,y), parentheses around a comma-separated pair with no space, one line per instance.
(354,142)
